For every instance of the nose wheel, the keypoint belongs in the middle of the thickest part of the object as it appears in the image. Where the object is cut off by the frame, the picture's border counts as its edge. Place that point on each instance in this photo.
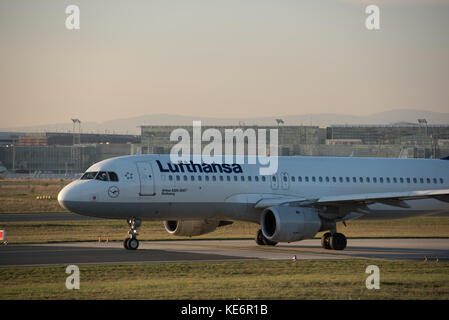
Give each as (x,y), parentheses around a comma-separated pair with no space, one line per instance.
(131,243)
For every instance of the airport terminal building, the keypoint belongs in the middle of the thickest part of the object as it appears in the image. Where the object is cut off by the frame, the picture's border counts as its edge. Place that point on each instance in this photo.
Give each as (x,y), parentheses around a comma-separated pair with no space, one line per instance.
(54,152)
(405,140)
(62,153)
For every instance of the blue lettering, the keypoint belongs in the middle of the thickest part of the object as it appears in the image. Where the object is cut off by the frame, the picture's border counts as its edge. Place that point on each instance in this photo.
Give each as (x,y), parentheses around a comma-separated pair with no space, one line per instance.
(161,169)
(201,168)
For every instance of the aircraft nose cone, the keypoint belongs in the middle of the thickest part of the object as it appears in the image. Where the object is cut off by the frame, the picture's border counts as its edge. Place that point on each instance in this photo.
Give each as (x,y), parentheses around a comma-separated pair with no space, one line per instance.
(67,195)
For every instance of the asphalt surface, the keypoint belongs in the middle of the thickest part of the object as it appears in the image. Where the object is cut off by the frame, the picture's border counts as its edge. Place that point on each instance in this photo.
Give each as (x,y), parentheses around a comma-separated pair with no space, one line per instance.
(90,253)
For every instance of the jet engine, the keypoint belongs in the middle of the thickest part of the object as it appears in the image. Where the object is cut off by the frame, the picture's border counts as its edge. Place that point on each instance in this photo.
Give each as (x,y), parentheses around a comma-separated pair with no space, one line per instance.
(288,224)
(191,228)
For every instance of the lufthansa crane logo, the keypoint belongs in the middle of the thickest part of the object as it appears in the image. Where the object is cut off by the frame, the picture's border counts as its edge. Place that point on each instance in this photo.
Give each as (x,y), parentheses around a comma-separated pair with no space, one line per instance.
(113,192)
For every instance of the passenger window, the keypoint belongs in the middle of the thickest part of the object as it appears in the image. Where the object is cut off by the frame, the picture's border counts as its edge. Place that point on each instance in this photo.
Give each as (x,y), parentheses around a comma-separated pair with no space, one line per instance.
(307,179)
(285,179)
(113,176)
(381,180)
(185,178)
(242,178)
(320,179)
(170,177)
(89,175)
(214,178)
(313,179)
(178,178)
(348,179)
(327,179)
(421,180)
(341,179)
(441,180)
(273,178)
(221,178)
(374,180)
(200,178)
(263,179)
(235,178)
(102,176)
(434,180)
(293,179)
(401,180)
(192,178)
(388,180)
(228,178)
(206,178)
(415,180)
(361,180)
(299,179)
(334,179)
(395,180)
(428,180)
(354,179)
(256,178)
(408,180)
(368,180)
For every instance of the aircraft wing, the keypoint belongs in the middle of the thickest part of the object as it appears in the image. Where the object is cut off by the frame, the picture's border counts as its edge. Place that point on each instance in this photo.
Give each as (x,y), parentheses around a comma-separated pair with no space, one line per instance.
(390,198)
(356,200)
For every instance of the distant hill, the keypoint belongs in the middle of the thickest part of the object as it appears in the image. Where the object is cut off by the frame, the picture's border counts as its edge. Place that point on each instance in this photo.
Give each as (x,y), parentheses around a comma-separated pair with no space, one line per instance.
(131,125)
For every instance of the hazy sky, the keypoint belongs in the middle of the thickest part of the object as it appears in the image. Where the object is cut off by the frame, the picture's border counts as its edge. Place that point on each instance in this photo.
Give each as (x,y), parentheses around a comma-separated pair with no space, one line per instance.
(219,58)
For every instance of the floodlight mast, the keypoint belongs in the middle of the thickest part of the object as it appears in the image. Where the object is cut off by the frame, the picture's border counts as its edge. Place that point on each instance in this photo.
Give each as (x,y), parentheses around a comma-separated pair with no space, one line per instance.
(76,152)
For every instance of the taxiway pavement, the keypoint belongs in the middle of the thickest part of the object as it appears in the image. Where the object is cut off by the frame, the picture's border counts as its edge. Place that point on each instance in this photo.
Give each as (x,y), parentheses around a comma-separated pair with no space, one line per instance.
(94,253)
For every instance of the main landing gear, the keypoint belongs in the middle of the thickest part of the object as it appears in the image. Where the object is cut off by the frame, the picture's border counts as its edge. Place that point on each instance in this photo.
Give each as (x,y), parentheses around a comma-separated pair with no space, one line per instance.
(262,241)
(333,240)
(131,243)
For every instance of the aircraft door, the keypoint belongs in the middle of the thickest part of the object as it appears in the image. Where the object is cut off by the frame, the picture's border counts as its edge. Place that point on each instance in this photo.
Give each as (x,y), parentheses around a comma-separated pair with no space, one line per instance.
(285,182)
(146,179)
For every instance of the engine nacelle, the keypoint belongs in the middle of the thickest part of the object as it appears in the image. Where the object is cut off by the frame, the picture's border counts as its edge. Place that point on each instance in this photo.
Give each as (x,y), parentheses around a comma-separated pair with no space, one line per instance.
(191,228)
(288,224)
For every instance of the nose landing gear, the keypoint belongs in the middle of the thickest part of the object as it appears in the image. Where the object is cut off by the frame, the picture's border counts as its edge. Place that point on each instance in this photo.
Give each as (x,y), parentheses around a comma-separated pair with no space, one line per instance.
(131,243)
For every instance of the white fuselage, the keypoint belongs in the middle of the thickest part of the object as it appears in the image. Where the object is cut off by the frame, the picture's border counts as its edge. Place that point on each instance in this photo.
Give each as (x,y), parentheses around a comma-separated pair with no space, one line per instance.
(151,187)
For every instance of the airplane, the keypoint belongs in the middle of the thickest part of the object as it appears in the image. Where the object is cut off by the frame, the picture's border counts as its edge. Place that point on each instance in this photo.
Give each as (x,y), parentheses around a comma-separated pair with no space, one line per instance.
(307,195)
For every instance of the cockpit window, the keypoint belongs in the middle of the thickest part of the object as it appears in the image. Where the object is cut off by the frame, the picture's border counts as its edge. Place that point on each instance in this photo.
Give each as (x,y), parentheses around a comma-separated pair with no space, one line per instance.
(113,176)
(103,176)
(89,175)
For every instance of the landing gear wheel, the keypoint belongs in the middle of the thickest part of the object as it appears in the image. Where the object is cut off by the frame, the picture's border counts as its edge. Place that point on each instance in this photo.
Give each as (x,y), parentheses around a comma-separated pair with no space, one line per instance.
(338,241)
(262,241)
(126,243)
(259,238)
(325,241)
(269,242)
(133,244)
